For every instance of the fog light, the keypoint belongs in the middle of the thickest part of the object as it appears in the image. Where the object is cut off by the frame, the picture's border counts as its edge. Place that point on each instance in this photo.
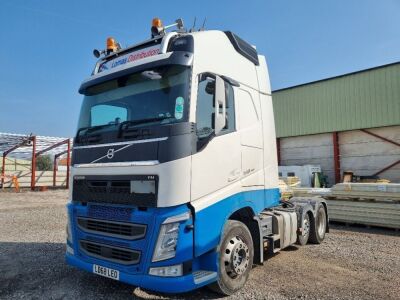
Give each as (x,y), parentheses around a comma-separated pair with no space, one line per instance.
(169,271)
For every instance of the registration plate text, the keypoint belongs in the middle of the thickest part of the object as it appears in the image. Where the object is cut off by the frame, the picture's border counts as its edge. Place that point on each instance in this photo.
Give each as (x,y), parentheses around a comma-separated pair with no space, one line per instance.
(106,272)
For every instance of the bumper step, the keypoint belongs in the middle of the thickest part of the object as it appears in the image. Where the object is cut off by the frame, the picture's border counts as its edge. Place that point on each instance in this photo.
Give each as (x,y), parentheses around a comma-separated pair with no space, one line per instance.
(202,275)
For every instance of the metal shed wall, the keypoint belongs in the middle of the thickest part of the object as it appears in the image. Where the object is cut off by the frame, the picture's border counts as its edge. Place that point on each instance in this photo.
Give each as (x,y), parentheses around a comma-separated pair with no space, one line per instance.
(365,99)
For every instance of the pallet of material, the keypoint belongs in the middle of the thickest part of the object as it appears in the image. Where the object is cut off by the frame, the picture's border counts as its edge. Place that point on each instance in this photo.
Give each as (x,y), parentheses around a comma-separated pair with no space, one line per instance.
(373,191)
(286,192)
(291,180)
(382,214)
(311,192)
(360,203)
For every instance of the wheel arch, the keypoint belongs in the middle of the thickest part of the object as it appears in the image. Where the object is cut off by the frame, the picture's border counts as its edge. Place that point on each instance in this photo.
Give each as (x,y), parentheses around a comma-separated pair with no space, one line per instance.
(247,216)
(210,220)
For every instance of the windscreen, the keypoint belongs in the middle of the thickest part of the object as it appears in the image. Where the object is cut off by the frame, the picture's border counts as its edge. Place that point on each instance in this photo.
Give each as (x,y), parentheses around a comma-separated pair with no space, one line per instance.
(154,96)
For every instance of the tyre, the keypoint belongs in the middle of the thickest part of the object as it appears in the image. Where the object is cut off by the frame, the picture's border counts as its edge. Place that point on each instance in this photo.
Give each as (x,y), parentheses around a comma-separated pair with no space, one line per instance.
(302,238)
(236,255)
(318,228)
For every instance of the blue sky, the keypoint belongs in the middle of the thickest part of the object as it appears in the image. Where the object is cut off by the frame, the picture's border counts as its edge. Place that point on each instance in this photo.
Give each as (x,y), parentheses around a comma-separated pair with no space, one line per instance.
(46,46)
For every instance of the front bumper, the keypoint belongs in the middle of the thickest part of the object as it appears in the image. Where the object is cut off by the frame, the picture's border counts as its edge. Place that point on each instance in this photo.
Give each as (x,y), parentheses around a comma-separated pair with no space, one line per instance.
(138,274)
(160,284)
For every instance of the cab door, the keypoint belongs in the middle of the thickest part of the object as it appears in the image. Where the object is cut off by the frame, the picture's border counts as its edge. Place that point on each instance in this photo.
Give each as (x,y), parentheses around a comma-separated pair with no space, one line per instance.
(251,138)
(216,167)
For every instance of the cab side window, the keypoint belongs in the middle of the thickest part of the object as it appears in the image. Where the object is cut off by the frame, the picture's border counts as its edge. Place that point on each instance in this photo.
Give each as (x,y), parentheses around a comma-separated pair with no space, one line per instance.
(205,107)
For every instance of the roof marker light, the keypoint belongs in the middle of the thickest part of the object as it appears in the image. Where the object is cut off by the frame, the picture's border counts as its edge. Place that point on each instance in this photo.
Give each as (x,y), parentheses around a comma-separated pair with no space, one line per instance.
(156,22)
(112,45)
(156,27)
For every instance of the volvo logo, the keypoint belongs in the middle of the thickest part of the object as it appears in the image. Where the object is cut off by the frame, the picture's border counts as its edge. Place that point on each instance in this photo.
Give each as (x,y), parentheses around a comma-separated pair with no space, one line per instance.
(110,153)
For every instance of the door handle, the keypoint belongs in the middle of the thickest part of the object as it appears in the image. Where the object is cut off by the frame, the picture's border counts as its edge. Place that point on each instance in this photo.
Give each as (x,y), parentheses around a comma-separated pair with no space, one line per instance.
(235,174)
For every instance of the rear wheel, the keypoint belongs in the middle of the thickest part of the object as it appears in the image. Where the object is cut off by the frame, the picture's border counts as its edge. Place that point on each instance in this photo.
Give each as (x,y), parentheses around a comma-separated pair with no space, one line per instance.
(317,232)
(302,238)
(236,254)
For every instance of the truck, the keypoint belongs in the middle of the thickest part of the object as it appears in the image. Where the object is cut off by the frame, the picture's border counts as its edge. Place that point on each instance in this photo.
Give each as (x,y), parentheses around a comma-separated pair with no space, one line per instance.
(174,176)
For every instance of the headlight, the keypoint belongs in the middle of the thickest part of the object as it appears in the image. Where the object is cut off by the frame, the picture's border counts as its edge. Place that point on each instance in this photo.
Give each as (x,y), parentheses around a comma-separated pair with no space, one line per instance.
(166,242)
(168,237)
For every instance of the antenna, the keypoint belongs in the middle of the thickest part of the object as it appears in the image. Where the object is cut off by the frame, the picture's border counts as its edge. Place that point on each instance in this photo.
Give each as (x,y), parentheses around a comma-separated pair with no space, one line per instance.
(194,24)
(204,24)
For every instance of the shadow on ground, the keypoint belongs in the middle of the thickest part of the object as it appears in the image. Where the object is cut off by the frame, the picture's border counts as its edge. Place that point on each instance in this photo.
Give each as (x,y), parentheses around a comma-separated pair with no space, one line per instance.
(38,270)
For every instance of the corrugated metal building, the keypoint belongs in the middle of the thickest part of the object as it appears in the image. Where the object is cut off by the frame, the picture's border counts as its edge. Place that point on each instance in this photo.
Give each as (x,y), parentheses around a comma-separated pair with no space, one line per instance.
(345,123)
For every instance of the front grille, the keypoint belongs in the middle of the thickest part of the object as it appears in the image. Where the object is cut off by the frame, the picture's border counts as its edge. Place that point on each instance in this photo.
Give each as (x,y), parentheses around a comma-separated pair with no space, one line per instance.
(120,214)
(113,189)
(122,230)
(111,253)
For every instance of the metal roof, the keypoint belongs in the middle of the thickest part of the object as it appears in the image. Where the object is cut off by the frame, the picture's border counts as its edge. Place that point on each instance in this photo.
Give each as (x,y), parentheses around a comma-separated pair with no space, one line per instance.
(363,99)
(8,140)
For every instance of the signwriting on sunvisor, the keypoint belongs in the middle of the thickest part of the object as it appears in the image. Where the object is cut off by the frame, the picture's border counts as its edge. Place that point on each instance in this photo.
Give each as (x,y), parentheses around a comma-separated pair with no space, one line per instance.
(129,58)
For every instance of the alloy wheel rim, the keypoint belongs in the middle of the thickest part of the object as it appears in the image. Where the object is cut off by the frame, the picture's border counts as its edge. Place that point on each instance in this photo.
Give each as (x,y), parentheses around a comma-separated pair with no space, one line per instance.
(306,227)
(236,257)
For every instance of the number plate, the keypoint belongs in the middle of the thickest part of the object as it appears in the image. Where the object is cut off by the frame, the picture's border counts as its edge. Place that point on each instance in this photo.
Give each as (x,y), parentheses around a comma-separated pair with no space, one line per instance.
(106,272)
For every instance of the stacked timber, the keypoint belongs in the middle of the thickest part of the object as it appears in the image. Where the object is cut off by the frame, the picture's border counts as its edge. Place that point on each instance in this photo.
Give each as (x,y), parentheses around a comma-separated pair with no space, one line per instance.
(376,204)
(286,192)
(373,213)
(381,191)
(310,192)
(373,204)
(286,185)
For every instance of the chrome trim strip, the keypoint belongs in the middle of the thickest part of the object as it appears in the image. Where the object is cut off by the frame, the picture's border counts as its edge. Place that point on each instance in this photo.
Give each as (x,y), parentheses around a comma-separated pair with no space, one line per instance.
(122,143)
(119,164)
(182,217)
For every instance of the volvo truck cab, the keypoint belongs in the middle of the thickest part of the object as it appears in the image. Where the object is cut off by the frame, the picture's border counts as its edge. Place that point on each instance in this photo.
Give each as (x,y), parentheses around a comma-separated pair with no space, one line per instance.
(174,181)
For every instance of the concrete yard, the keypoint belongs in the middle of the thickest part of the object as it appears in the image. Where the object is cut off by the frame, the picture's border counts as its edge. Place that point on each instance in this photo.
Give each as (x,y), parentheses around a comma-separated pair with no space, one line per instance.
(352,263)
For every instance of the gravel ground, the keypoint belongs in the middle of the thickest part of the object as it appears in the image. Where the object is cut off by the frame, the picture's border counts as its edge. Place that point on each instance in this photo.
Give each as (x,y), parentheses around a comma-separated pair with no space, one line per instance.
(352,263)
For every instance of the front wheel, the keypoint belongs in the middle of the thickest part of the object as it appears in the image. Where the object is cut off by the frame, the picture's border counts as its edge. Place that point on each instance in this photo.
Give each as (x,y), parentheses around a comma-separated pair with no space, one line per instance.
(236,254)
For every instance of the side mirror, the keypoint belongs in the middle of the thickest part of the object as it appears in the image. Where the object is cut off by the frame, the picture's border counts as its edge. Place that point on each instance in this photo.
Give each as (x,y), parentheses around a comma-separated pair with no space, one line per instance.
(220,105)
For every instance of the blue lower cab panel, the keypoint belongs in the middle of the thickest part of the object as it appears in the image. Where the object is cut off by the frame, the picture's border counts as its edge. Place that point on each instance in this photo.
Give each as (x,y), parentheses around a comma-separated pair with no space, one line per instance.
(210,221)
(201,242)
(136,274)
(151,218)
(160,284)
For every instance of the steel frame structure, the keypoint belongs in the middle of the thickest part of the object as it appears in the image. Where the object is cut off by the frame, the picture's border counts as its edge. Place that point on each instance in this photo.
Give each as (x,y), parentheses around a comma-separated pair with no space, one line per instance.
(388,141)
(32,140)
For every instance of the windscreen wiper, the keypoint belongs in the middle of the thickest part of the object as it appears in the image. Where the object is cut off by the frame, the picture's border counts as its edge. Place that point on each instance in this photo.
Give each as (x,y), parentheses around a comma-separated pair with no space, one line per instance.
(126,124)
(90,129)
